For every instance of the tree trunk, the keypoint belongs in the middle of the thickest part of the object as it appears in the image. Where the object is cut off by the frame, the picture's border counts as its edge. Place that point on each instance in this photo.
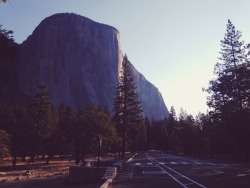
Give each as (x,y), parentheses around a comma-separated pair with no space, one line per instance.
(23,158)
(32,157)
(50,156)
(77,157)
(123,142)
(14,161)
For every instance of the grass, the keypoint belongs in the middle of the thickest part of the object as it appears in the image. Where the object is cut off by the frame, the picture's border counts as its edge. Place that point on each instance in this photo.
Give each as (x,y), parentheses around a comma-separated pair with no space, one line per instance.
(54,174)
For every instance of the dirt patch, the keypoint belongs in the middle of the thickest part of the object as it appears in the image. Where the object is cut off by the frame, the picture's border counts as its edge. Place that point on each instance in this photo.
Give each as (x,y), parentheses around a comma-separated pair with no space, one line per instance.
(39,174)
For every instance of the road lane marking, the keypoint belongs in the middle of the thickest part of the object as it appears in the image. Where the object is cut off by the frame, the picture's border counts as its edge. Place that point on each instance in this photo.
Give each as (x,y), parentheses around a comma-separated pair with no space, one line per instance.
(149,163)
(154,160)
(162,163)
(153,172)
(184,176)
(137,164)
(218,172)
(173,163)
(184,162)
(198,163)
(173,177)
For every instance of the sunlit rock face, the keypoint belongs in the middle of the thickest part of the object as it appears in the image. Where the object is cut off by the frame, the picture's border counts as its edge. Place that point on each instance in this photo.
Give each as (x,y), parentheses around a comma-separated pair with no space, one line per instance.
(79,60)
(151,100)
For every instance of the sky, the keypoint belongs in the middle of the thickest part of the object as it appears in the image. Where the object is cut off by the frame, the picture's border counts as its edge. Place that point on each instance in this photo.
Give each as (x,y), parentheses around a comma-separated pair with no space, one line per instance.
(173,43)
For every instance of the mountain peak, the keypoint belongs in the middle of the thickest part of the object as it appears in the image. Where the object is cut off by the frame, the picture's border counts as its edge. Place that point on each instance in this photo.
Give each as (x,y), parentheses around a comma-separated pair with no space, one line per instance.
(79,60)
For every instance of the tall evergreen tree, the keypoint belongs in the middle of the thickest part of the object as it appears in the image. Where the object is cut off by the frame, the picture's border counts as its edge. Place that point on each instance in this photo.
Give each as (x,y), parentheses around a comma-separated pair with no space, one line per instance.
(230,91)
(13,119)
(40,121)
(17,131)
(8,52)
(4,144)
(127,109)
(172,120)
(64,135)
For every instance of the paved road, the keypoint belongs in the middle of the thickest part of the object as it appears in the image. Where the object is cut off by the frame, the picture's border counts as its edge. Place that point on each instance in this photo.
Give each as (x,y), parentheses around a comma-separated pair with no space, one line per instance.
(156,170)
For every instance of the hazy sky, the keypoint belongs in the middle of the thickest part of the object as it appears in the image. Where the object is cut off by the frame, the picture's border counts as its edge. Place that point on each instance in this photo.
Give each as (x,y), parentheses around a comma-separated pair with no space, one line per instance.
(173,43)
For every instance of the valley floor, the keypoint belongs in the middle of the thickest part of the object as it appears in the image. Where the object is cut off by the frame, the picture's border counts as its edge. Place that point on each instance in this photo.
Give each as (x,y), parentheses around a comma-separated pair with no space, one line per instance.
(41,175)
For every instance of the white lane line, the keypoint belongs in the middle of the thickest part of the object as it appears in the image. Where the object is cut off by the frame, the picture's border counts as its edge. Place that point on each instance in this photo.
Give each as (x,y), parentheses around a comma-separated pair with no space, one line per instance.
(172,177)
(218,172)
(198,163)
(162,163)
(154,172)
(173,163)
(167,172)
(185,177)
(176,173)
(149,163)
(137,164)
(184,162)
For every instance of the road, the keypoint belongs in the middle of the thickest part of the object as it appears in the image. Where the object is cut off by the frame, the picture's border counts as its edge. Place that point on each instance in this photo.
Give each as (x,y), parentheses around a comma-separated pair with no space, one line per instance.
(156,169)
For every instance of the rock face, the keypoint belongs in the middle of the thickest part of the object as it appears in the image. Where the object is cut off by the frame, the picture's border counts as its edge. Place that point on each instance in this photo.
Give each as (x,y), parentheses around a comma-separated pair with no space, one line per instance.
(151,100)
(79,60)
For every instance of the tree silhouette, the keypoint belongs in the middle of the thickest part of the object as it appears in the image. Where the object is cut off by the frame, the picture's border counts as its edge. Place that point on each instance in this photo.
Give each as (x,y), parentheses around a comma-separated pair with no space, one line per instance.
(230,91)
(40,121)
(128,110)
(91,126)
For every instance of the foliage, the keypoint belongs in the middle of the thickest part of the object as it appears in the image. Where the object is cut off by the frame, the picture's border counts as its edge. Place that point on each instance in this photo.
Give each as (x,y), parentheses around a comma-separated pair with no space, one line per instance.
(7,45)
(8,52)
(179,135)
(41,129)
(13,120)
(40,121)
(91,126)
(128,110)
(64,134)
(4,141)
(230,93)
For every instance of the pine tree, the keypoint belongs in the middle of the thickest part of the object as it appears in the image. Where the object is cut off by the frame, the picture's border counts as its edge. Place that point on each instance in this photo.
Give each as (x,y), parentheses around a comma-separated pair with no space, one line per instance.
(171,121)
(128,110)
(8,53)
(4,144)
(63,134)
(230,91)
(40,121)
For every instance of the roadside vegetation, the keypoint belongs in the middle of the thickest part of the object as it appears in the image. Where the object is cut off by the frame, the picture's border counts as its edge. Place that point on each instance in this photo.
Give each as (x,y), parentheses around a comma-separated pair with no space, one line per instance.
(37,128)
(224,131)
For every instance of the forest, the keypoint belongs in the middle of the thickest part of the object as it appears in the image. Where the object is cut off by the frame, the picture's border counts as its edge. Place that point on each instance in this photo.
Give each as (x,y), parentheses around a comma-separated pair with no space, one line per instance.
(37,128)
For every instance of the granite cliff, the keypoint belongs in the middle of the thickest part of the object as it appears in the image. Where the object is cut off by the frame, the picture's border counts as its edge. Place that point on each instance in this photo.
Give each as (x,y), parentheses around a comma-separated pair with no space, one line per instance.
(151,99)
(79,60)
